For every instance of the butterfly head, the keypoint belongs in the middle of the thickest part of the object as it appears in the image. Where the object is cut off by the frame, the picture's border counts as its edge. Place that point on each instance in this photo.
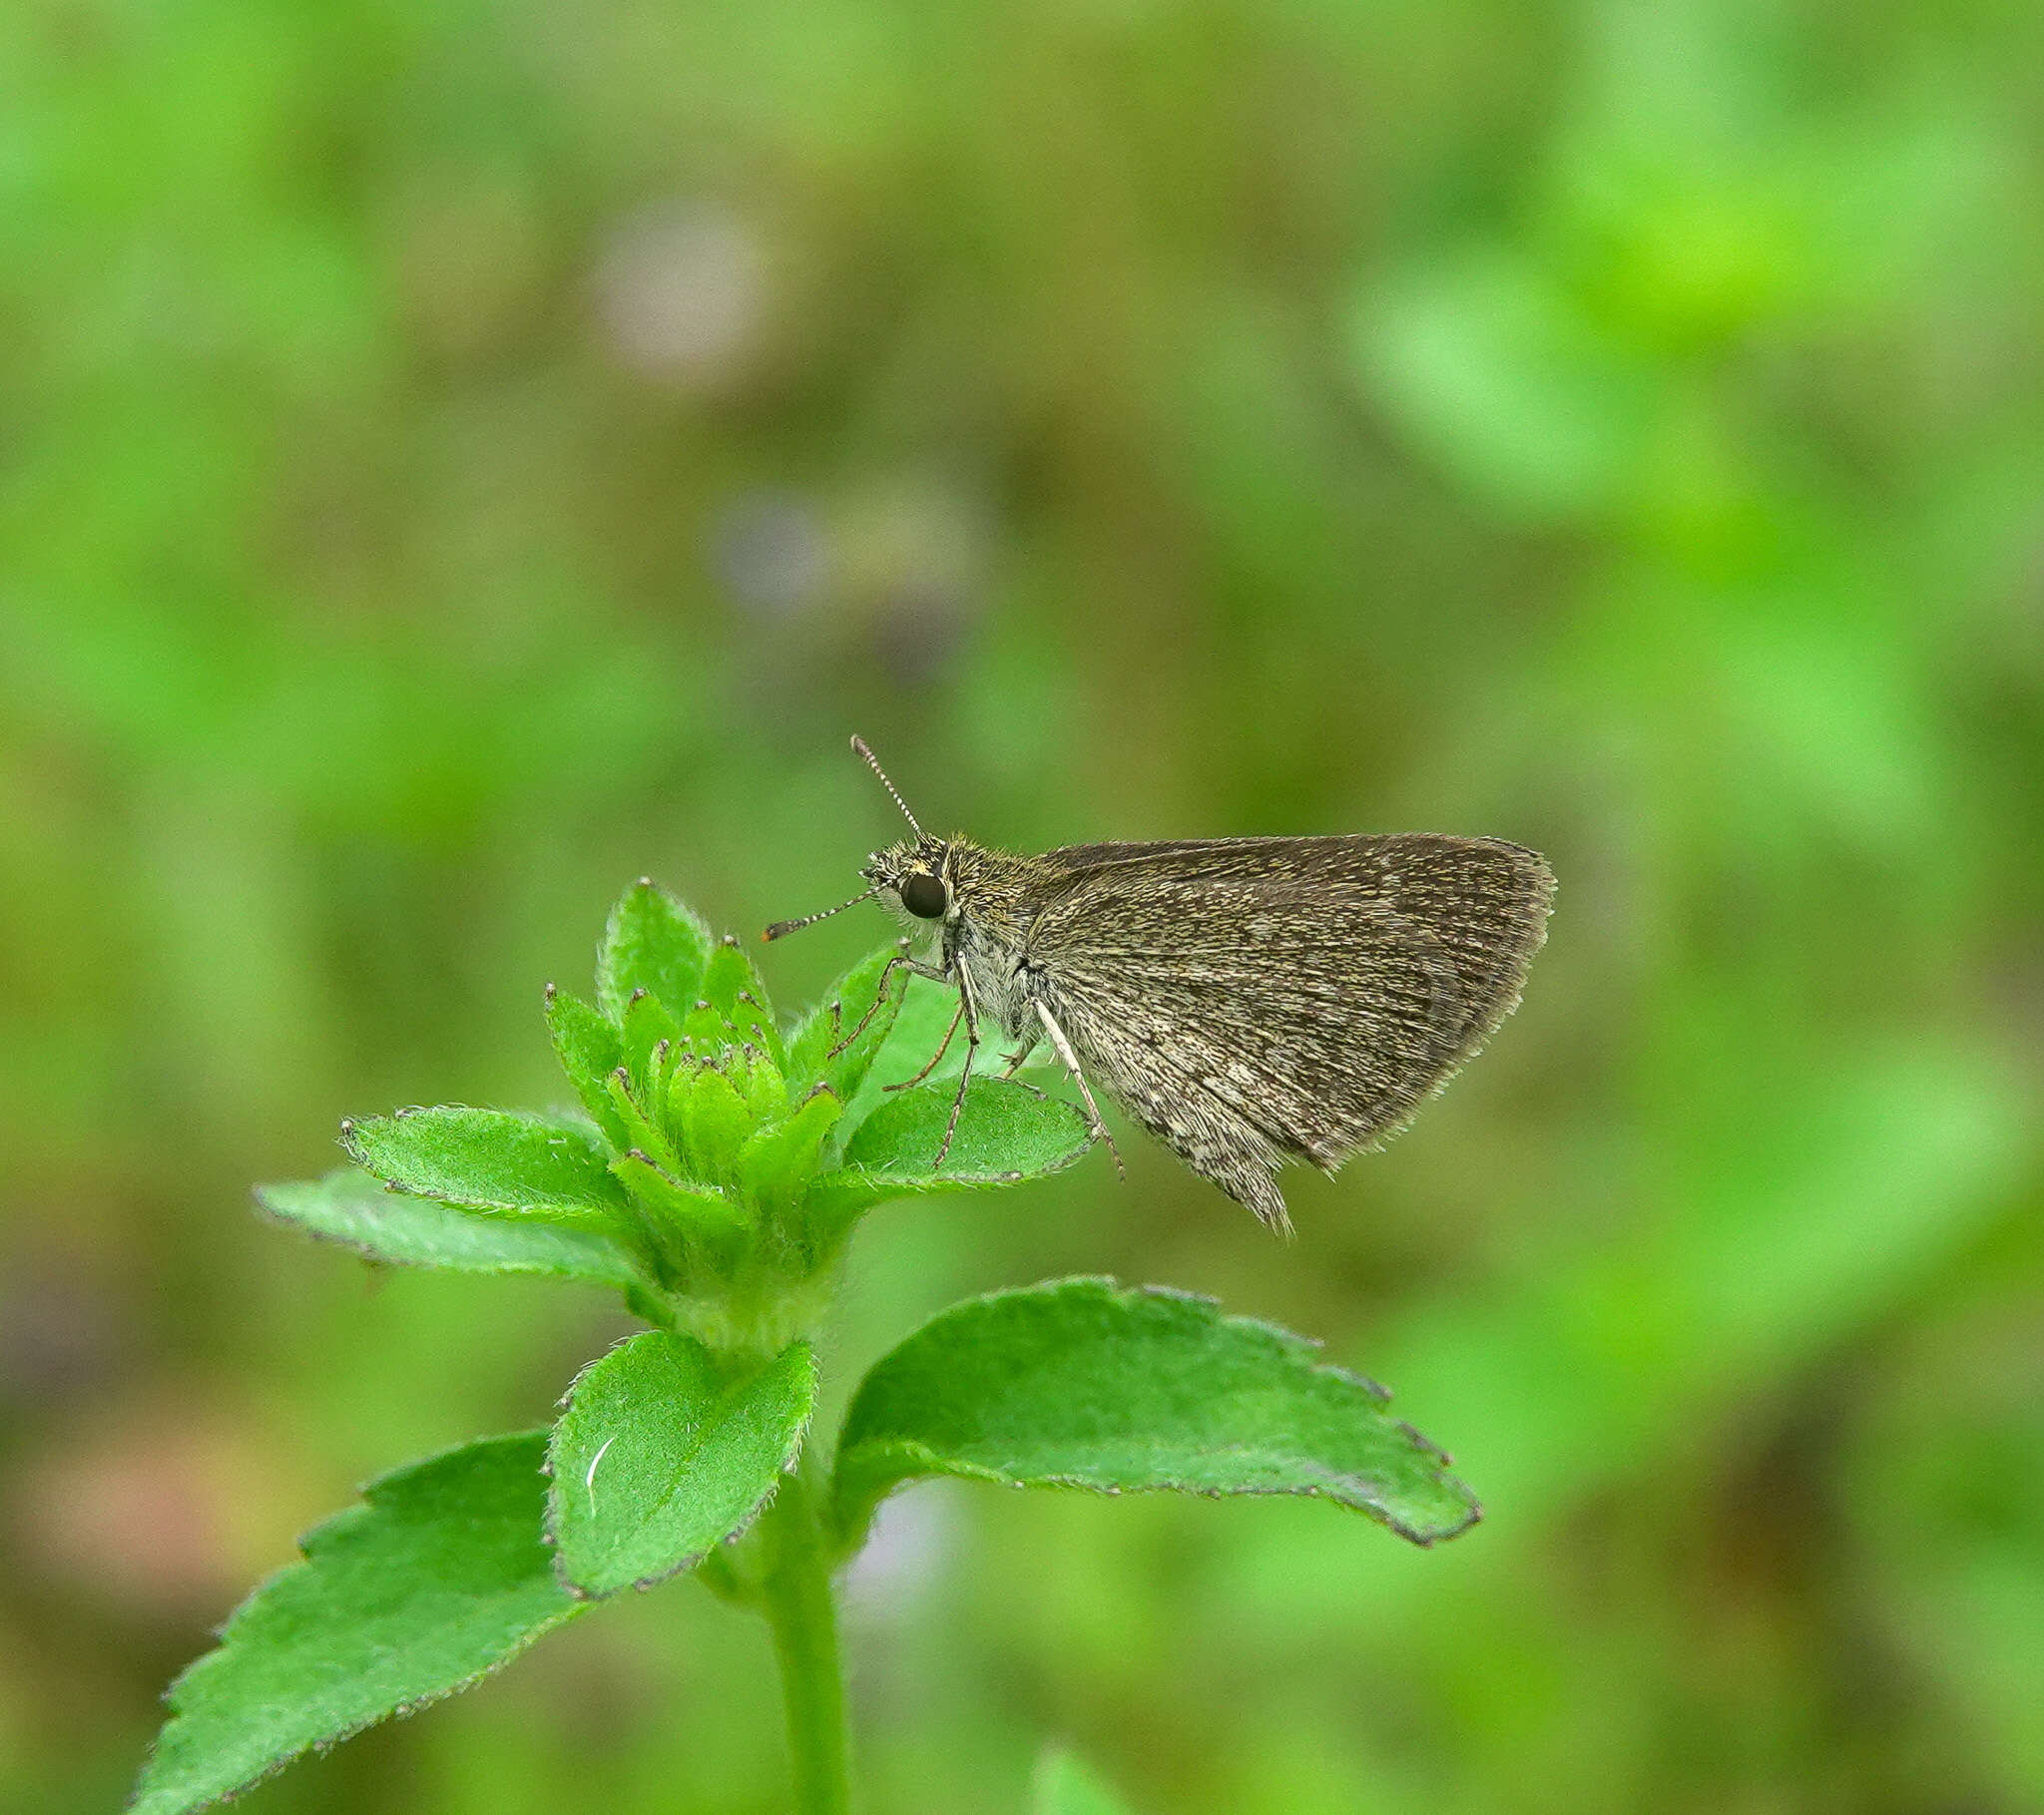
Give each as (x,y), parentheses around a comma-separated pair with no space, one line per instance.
(913,877)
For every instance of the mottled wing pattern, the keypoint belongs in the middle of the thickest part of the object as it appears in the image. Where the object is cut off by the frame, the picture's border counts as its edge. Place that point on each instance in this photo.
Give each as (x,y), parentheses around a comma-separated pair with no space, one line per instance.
(1254,1000)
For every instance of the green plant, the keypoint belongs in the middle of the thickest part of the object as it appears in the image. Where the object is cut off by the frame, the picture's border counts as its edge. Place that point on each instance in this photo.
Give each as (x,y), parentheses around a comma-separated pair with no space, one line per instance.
(713,1175)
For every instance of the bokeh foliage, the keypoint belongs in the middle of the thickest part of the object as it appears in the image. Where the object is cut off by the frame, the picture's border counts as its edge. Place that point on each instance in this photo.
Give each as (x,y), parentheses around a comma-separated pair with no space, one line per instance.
(455,460)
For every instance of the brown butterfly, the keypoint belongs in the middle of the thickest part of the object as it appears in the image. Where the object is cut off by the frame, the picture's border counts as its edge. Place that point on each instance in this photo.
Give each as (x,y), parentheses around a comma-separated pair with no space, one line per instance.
(1248,1000)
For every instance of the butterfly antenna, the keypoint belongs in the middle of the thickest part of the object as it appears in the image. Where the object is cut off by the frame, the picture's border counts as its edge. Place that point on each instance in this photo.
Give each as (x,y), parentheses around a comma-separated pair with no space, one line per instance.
(874,763)
(780,927)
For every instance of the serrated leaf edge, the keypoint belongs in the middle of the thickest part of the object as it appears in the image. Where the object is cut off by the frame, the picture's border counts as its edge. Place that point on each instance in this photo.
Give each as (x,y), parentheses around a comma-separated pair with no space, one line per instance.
(941,1179)
(634,1275)
(605,979)
(1301,1348)
(567,1121)
(320,1747)
(551,1537)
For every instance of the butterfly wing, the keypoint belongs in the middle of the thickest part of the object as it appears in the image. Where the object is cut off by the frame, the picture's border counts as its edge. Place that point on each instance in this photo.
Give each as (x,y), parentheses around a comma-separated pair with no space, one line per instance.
(1252,1000)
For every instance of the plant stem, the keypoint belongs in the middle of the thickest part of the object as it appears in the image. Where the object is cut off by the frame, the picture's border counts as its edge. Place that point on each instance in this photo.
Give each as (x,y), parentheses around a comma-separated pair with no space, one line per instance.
(803,1609)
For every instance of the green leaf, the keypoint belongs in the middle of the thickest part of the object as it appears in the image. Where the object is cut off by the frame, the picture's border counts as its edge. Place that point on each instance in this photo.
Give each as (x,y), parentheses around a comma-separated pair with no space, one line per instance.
(1063,1785)
(640,1130)
(652,944)
(1080,1383)
(757,1075)
(928,1011)
(656,1460)
(820,1029)
(1004,1129)
(776,1164)
(440,1578)
(491,1159)
(708,1030)
(732,986)
(351,1208)
(688,1209)
(1006,1133)
(841,1010)
(590,1049)
(927,1042)
(714,1119)
(646,1023)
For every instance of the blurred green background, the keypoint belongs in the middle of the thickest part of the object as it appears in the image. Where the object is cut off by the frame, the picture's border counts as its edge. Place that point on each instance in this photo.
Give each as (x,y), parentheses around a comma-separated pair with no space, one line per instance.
(454,459)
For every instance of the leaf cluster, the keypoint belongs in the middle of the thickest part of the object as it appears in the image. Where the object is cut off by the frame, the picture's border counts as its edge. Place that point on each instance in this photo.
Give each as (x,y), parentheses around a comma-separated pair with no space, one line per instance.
(715,1166)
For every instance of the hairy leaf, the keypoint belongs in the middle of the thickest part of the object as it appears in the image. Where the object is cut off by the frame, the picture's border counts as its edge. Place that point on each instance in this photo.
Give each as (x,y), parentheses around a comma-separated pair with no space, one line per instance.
(757,1075)
(590,1049)
(776,1164)
(732,986)
(1006,1133)
(640,1130)
(713,1118)
(655,944)
(845,1006)
(648,1022)
(491,1159)
(657,1459)
(707,1028)
(688,1209)
(353,1209)
(1083,1383)
(437,1579)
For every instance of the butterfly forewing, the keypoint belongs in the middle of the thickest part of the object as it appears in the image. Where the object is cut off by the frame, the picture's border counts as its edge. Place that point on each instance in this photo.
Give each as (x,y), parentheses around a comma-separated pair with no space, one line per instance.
(1258,999)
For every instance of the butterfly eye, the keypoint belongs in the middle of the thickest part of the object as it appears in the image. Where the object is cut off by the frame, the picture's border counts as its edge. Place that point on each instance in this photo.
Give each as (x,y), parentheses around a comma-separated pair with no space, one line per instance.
(924,896)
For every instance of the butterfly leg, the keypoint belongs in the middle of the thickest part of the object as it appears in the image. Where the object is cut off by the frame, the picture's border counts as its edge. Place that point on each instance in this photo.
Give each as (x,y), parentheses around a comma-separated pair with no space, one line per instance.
(943,1046)
(1017,1058)
(970,1009)
(1071,1059)
(900,960)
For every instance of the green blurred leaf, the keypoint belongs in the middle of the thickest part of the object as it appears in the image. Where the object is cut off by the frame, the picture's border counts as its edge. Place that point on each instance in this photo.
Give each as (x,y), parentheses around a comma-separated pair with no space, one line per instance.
(655,944)
(1082,1383)
(655,1459)
(1496,370)
(437,1579)
(353,1209)
(1063,1785)
(1941,1499)
(491,1159)
(1006,1133)
(590,1049)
